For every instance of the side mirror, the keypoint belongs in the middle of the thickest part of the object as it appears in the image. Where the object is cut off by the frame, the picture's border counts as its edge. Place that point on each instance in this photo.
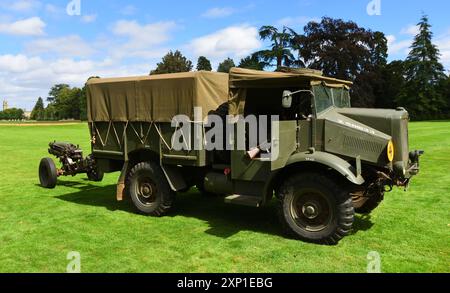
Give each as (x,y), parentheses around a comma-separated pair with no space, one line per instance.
(286,99)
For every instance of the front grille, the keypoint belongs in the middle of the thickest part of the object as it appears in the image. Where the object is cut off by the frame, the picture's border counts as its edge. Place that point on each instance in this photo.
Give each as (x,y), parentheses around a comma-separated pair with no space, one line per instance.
(361,144)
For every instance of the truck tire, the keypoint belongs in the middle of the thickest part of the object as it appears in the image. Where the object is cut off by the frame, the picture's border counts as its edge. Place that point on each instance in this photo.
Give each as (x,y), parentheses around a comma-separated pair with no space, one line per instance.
(149,189)
(312,207)
(47,173)
(365,205)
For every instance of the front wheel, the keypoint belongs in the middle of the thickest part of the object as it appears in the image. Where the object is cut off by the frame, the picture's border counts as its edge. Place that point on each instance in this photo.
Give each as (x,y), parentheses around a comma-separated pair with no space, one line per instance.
(149,189)
(314,208)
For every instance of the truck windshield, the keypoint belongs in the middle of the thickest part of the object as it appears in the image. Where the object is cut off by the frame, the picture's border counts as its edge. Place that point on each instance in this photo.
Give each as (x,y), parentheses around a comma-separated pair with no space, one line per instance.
(326,97)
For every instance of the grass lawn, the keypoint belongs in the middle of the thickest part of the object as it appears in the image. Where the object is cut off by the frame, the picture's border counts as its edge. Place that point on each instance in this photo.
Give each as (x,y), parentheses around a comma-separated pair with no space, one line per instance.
(38,227)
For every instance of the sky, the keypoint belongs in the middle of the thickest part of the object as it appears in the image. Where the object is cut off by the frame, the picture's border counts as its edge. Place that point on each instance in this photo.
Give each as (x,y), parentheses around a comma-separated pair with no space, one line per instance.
(45,42)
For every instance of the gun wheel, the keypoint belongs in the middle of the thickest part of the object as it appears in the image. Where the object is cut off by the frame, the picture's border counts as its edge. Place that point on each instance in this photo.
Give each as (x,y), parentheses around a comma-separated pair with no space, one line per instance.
(47,173)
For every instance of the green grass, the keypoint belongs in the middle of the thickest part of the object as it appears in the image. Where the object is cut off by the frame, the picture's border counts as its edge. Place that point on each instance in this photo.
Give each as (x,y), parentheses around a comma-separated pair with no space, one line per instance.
(38,227)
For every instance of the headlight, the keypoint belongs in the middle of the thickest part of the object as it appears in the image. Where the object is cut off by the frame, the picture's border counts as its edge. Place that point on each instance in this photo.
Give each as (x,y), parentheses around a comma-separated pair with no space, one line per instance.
(390,151)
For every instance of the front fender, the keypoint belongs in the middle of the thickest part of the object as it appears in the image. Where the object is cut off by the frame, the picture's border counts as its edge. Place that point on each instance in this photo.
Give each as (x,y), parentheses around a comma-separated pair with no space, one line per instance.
(329,160)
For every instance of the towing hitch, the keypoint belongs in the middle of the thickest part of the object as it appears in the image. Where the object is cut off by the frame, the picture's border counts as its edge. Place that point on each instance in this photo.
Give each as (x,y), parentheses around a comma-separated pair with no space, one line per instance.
(414,159)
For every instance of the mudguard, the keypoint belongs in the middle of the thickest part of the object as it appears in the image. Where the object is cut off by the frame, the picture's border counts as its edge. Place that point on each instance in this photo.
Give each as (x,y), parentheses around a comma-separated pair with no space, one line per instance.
(175,179)
(331,161)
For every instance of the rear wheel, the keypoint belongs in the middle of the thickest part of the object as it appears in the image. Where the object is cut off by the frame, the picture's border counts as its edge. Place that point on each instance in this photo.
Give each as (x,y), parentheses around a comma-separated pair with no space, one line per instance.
(47,173)
(314,208)
(149,189)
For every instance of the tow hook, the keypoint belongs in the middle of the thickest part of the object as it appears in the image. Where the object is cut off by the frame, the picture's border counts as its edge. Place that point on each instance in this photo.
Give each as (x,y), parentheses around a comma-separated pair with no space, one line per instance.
(414,155)
(414,158)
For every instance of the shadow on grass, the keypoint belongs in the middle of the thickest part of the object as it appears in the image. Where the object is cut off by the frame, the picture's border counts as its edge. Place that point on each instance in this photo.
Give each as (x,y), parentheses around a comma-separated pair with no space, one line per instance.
(93,195)
(224,219)
(361,223)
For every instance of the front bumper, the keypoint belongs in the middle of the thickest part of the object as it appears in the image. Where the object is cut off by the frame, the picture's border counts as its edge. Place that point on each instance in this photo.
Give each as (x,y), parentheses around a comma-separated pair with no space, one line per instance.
(402,175)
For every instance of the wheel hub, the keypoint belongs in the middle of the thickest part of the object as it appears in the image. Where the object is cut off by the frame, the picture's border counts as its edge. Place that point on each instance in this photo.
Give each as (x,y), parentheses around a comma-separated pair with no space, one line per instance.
(310,210)
(146,190)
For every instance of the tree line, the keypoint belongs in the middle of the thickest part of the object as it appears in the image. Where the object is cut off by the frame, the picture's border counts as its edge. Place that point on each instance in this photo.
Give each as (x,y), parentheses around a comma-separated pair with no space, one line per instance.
(338,48)
(64,102)
(12,114)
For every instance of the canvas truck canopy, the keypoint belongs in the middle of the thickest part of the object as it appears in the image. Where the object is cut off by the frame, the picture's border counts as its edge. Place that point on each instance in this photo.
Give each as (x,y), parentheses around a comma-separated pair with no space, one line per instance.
(243,79)
(155,97)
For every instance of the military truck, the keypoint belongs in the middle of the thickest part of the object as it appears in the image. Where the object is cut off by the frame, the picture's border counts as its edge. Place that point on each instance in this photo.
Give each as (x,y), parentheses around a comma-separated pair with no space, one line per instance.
(332,160)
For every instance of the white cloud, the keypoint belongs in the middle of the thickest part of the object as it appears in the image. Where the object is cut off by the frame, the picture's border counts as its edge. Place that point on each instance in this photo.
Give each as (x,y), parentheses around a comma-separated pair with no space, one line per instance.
(139,40)
(296,21)
(19,63)
(399,49)
(396,47)
(88,18)
(142,36)
(67,46)
(52,9)
(128,10)
(33,26)
(48,61)
(24,78)
(233,41)
(22,5)
(443,43)
(157,53)
(218,12)
(411,30)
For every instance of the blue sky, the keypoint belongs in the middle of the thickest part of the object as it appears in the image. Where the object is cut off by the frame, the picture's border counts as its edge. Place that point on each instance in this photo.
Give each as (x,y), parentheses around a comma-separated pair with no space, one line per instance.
(41,44)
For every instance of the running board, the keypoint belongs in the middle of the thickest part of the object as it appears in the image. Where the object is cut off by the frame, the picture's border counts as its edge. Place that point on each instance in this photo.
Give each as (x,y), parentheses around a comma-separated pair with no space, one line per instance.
(245,200)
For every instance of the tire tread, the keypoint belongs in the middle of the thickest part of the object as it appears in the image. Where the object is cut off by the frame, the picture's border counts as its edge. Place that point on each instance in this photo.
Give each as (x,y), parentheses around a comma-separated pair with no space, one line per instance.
(167,195)
(345,208)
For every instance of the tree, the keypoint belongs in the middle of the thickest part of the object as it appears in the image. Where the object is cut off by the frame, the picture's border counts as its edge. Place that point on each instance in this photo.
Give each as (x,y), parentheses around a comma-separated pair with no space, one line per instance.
(422,93)
(251,62)
(50,112)
(173,62)
(344,50)
(68,103)
(393,75)
(83,101)
(12,114)
(54,92)
(38,110)
(226,65)
(83,104)
(279,48)
(340,49)
(203,64)
(447,97)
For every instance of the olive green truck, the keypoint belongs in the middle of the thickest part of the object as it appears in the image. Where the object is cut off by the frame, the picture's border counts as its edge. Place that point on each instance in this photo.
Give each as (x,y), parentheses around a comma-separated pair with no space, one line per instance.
(320,158)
